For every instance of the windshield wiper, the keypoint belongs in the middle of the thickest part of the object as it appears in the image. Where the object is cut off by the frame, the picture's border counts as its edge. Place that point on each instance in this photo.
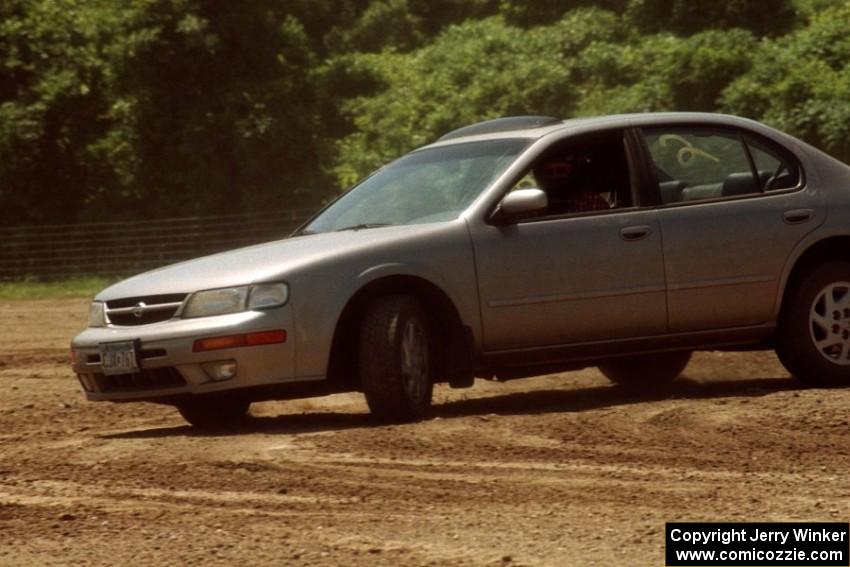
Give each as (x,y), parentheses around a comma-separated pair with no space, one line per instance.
(362,226)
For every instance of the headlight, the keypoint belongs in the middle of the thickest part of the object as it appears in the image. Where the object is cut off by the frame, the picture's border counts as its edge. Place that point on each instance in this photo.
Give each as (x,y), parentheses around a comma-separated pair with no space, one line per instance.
(235,299)
(97,316)
(216,302)
(266,296)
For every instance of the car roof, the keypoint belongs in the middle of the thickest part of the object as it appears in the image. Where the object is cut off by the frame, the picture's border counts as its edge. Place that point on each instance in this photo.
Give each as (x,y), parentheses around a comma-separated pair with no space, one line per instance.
(513,125)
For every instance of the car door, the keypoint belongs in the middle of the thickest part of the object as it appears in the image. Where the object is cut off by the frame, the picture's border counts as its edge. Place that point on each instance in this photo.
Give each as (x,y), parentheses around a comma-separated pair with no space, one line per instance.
(733,207)
(564,277)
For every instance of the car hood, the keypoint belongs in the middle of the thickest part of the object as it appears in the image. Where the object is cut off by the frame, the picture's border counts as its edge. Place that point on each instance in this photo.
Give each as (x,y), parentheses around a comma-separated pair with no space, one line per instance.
(271,261)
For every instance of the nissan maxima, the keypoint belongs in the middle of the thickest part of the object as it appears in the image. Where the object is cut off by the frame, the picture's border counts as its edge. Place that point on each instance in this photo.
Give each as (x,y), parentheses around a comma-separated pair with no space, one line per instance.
(510,248)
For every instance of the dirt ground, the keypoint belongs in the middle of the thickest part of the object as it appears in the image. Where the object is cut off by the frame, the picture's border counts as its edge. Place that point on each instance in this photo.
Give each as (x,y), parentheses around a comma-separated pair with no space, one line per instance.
(557,470)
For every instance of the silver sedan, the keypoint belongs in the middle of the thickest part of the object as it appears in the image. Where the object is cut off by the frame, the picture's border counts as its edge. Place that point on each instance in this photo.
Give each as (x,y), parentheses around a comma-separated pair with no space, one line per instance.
(509,248)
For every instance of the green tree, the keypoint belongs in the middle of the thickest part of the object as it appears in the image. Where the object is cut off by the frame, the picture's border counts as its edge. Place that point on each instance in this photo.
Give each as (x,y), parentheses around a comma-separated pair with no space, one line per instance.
(547,12)
(216,107)
(801,83)
(385,24)
(685,17)
(53,95)
(662,72)
(473,71)
(170,107)
(402,25)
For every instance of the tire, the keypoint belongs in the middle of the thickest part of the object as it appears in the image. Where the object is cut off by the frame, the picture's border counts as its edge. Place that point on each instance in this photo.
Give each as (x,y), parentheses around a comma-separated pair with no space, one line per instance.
(647,369)
(214,413)
(396,359)
(813,335)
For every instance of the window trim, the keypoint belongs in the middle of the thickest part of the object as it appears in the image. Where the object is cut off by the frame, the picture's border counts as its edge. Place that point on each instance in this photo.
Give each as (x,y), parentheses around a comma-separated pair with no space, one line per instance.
(753,169)
(648,192)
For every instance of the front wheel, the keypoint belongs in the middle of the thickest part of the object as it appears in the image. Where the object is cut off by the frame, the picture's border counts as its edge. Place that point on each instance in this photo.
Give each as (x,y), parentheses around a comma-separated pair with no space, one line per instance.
(214,413)
(396,359)
(813,336)
(646,369)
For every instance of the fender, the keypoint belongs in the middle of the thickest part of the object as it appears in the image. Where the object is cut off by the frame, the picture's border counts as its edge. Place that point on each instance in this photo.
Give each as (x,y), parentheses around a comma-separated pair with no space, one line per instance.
(327,290)
(467,307)
(811,240)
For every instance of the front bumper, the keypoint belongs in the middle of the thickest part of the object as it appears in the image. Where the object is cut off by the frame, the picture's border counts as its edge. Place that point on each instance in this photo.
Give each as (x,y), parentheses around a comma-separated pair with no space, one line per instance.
(169,367)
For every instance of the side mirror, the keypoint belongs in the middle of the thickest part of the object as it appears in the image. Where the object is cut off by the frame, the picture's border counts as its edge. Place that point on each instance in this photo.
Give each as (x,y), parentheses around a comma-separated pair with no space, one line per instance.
(520,203)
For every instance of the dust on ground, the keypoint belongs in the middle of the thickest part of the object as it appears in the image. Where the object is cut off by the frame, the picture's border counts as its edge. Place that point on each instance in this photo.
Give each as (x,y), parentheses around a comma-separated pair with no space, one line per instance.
(556,470)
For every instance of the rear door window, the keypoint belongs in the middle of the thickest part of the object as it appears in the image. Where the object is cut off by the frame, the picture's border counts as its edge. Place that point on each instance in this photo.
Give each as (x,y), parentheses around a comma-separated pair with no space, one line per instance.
(699,163)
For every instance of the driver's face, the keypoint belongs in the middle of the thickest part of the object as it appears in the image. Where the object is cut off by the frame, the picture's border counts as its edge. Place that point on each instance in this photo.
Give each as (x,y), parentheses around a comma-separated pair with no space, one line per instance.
(557,169)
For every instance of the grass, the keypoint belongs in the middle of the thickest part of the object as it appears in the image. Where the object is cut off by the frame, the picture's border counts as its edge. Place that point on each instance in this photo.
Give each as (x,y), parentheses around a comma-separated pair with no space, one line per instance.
(70,288)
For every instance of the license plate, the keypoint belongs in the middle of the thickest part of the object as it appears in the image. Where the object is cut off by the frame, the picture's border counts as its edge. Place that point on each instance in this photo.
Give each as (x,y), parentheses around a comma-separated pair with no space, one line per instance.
(118,358)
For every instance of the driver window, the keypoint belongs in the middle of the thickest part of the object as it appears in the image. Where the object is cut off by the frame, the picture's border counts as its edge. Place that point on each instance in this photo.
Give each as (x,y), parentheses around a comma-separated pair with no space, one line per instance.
(582,176)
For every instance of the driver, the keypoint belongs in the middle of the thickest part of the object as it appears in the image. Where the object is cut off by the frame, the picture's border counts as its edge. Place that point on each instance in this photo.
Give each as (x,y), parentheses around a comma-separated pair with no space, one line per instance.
(569,185)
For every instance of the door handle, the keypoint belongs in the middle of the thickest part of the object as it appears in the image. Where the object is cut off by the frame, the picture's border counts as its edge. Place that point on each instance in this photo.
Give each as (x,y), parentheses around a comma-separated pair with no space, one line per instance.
(797,216)
(632,233)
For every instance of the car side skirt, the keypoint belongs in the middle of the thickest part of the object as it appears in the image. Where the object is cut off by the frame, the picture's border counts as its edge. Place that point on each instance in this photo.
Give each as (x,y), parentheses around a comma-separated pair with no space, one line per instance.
(518,363)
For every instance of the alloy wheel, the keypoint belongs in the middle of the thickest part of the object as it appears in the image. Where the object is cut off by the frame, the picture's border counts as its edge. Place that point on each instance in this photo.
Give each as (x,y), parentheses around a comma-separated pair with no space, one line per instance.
(829,323)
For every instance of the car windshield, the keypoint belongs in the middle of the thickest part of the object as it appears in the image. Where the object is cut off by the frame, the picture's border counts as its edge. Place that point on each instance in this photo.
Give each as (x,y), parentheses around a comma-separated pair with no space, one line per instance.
(428,185)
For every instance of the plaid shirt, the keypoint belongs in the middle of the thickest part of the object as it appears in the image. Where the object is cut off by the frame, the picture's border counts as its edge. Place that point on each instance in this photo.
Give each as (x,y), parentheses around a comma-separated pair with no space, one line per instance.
(581,202)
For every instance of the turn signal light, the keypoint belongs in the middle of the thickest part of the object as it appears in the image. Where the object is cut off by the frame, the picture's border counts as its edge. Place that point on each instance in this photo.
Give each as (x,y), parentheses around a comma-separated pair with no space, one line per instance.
(235,341)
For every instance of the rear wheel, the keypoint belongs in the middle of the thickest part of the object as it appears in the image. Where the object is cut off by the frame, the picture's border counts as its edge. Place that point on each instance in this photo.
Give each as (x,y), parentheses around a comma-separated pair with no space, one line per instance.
(647,369)
(214,413)
(396,359)
(813,337)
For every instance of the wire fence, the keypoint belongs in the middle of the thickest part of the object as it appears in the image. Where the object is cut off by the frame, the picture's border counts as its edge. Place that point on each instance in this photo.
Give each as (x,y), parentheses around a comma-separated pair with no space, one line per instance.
(109,249)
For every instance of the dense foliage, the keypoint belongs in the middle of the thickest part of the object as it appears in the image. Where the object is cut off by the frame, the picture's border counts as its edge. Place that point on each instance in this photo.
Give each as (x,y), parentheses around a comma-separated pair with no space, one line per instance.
(115,110)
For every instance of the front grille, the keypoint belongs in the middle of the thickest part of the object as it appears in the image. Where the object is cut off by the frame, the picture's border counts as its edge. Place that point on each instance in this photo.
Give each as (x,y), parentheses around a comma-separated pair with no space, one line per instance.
(146,379)
(134,311)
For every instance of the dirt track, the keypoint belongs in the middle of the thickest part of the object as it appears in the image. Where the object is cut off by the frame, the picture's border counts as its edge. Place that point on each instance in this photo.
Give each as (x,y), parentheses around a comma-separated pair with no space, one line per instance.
(560,470)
